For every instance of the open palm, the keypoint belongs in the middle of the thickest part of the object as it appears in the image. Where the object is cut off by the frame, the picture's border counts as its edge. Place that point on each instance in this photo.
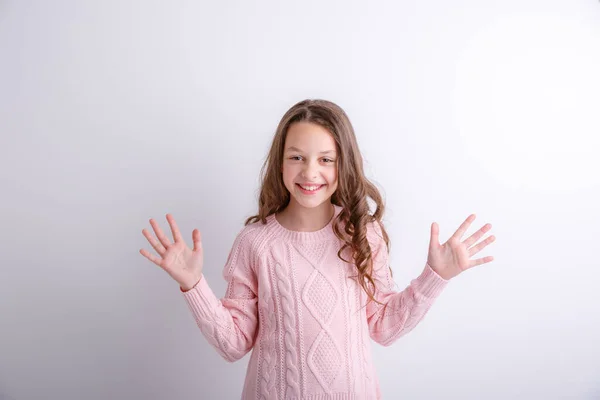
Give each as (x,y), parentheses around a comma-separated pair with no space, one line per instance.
(177,259)
(454,256)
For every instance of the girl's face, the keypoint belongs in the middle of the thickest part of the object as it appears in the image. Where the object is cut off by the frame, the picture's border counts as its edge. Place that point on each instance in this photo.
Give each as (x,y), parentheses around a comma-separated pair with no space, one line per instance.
(309,164)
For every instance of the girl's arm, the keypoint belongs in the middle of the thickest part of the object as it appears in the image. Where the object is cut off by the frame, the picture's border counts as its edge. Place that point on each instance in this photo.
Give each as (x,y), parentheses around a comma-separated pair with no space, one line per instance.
(403,310)
(229,324)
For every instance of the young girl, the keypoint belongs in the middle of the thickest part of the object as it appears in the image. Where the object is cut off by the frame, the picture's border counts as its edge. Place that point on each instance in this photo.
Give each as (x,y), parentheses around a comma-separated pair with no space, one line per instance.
(308,277)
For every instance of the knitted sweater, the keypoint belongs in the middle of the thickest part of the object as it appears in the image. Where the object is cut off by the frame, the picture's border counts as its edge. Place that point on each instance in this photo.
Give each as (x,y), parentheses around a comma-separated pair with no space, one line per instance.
(293,302)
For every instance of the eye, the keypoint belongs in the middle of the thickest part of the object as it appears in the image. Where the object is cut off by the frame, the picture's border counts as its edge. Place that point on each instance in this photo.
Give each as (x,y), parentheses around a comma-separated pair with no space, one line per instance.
(328,160)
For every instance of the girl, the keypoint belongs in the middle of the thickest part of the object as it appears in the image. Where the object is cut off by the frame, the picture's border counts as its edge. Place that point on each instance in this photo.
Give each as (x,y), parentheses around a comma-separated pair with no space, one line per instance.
(308,277)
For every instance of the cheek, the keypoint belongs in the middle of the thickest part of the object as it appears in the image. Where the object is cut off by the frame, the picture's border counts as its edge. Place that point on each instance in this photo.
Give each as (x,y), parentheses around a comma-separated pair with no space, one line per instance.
(333,175)
(289,173)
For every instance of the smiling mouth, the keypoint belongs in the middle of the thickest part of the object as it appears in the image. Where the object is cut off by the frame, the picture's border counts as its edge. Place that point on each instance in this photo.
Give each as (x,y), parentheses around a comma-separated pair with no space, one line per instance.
(310,189)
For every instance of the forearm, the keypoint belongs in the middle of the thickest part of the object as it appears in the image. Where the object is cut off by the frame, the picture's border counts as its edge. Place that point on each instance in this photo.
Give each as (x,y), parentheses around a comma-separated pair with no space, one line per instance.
(402,311)
(227,324)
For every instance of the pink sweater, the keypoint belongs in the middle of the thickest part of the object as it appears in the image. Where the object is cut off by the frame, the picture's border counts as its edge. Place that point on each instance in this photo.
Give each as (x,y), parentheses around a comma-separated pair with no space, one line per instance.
(291,300)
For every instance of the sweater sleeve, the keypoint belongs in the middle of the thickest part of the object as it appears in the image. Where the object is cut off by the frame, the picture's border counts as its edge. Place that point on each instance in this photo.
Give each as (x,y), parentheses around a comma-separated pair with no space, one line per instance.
(403,310)
(230,323)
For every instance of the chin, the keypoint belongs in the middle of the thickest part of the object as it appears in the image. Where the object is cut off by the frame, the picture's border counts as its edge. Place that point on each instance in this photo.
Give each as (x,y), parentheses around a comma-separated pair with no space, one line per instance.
(313,203)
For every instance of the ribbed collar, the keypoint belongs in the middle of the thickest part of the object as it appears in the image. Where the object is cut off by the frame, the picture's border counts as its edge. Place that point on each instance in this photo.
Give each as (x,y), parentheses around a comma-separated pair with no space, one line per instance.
(324,233)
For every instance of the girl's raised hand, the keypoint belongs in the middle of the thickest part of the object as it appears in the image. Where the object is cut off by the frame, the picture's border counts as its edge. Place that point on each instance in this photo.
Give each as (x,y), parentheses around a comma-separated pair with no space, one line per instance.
(454,256)
(177,259)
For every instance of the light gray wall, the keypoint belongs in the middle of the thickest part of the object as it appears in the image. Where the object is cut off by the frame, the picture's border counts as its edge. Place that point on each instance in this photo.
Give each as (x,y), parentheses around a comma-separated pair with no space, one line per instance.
(112,112)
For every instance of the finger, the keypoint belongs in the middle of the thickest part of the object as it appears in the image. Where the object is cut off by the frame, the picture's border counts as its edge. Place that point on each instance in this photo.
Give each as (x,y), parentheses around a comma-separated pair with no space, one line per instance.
(150,257)
(463,227)
(435,235)
(475,237)
(154,243)
(197,239)
(480,261)
(159,234)
(174,229)
(476,249)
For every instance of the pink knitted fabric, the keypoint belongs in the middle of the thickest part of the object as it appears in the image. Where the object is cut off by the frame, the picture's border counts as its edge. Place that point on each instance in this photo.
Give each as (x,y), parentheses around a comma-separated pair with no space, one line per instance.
(294,303)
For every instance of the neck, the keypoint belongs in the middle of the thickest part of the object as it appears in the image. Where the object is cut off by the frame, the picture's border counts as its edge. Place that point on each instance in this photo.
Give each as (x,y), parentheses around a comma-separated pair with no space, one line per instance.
(297,218)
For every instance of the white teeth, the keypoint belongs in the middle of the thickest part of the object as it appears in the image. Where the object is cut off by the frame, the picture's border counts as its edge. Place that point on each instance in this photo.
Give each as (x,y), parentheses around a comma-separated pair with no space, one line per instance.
(310,188)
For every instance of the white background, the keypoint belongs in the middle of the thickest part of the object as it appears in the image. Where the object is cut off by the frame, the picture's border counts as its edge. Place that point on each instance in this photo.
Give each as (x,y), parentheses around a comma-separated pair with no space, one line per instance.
(112,112)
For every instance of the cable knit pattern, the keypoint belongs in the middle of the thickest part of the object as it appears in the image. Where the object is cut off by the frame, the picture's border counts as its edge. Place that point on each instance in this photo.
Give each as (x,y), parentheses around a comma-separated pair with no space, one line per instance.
(291,359)
(347,327)
(366,366)
(294,283)
(320,298)
(268,377)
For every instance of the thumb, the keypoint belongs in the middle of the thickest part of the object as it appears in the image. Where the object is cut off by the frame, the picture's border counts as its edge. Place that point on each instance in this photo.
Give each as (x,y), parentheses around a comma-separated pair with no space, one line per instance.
(197,239)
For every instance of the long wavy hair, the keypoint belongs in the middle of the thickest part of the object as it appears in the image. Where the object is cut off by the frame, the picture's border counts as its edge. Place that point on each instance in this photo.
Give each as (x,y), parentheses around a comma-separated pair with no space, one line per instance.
(353,190)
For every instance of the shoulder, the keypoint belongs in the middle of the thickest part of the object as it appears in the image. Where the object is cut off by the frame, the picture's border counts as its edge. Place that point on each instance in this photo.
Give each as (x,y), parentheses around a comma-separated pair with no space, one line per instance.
(374,230)
(253,237)
(375,235)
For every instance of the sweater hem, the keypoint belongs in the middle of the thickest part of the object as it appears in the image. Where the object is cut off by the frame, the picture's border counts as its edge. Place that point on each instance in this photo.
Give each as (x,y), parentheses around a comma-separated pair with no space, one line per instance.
(334,396)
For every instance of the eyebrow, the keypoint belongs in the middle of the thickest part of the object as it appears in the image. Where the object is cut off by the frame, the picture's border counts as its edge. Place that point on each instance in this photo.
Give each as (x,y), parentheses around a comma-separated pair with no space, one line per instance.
(297,149)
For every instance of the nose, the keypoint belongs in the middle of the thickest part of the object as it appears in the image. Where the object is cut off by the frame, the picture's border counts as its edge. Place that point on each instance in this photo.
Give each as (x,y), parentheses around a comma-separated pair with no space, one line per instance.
(310,171)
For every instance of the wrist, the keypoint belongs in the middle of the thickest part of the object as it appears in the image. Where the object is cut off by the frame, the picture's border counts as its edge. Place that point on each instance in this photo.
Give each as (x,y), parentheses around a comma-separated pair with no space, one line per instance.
(189,285)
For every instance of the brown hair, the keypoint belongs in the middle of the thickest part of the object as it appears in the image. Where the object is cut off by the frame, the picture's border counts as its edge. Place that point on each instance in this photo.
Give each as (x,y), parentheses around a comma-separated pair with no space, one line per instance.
(352,191)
